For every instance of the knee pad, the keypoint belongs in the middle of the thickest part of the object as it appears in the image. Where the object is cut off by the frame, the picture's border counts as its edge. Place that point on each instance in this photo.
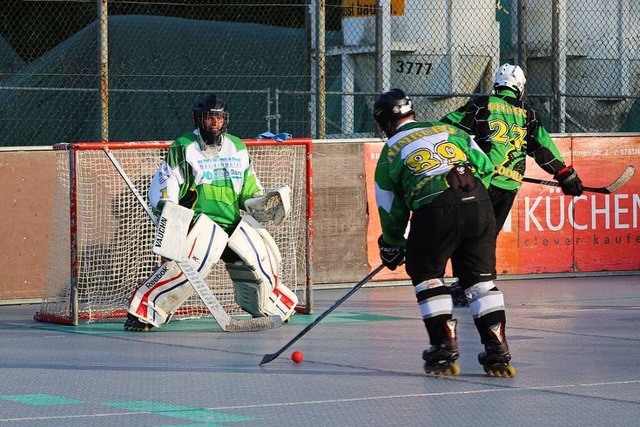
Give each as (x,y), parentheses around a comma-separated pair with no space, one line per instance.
(434,298)
(484,298)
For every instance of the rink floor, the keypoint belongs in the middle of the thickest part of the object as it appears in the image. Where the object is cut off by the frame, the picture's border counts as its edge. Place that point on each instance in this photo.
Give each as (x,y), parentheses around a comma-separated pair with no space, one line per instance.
(575,344)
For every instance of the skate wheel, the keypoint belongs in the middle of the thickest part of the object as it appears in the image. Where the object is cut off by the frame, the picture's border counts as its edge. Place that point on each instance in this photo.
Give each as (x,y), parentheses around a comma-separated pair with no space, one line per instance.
(452,370)
(506,371)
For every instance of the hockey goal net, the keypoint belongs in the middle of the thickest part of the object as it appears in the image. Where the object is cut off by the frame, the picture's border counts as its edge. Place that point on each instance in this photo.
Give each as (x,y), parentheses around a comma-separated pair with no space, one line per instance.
(101,237)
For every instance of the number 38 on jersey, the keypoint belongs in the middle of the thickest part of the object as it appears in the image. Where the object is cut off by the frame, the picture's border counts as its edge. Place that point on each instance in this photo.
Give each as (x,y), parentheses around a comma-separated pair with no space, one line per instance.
(431,157)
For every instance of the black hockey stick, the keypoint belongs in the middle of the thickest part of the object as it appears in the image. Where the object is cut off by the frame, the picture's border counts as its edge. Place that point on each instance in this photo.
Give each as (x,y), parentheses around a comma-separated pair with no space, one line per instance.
(615,185)
(226,322)
(269,357)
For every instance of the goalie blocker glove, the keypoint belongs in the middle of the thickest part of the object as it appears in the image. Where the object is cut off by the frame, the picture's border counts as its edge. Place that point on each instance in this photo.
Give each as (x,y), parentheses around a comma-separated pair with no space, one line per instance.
(392,256)
(569,181)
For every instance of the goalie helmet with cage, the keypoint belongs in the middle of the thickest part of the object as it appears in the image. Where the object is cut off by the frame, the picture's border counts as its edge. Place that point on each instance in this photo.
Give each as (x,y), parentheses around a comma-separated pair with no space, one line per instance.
(211,117)
(511,77)
(389,107)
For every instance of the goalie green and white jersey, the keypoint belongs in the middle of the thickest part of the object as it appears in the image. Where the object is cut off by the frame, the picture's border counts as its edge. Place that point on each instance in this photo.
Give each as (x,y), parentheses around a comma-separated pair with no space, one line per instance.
(411,171)
(216,183)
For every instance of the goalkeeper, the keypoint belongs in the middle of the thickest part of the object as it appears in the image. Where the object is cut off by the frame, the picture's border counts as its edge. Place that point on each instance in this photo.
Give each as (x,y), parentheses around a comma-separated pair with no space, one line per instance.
(433,175)
(208,175)
(508,130)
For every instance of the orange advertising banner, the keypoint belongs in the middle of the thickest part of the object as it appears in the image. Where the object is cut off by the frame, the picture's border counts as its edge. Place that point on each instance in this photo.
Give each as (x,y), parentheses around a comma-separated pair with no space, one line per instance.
(548,232)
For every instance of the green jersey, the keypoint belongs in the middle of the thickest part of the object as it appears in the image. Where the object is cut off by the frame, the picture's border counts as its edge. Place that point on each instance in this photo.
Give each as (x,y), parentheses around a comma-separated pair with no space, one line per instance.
(412,168)
(214,180)
(507,130)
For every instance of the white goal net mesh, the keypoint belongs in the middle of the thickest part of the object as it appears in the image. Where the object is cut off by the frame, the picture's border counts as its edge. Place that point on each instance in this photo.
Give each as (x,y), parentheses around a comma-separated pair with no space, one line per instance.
(101,236)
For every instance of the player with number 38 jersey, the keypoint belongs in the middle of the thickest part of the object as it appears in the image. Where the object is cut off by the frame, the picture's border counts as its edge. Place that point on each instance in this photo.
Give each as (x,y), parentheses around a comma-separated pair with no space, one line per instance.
(415,162)
(434,177)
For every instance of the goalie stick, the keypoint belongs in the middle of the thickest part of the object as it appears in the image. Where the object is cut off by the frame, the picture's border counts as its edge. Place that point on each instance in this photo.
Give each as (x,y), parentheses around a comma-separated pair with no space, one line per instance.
(615,185)
(272,356)
(226,322)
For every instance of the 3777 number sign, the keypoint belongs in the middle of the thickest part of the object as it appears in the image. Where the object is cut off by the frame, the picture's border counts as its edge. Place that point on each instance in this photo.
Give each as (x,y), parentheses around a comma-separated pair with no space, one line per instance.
(414,68)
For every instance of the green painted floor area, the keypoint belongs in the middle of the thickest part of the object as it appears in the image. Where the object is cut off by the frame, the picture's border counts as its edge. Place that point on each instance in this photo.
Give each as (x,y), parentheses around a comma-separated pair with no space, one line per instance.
(194,414)
(40,399)
(194,325)
(199,415)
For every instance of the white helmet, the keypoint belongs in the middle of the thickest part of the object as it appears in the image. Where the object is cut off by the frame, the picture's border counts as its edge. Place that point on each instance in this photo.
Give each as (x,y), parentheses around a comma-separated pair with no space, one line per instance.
(512,77)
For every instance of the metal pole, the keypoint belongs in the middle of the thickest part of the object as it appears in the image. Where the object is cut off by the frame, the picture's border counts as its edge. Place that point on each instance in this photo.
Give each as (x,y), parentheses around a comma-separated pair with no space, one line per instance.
(625,45)
(310,27)
(521,54)
(321,100)
(558,63)
(104,67)
(383,45)
(73,237)
(555,64)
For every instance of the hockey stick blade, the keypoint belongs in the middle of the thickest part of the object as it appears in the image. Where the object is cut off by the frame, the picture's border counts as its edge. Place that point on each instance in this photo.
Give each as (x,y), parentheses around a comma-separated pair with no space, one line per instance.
(622,179)
(272,356)
(226,322)
(626,175)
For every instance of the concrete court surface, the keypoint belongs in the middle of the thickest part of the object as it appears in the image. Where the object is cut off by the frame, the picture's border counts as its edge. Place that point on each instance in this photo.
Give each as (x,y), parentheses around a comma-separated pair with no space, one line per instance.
(575,344)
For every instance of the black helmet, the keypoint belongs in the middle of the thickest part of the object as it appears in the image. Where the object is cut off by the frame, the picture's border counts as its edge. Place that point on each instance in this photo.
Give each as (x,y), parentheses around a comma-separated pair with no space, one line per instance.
(210,105)
(389,107)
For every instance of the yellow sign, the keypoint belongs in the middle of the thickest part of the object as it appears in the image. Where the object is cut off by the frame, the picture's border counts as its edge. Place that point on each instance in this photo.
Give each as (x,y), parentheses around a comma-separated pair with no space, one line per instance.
(367,8)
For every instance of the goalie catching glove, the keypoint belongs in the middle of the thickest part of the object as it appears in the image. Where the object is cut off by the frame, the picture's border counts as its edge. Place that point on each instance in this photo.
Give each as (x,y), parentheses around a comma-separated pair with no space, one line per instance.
(569,182)
(274,206)
(392,256)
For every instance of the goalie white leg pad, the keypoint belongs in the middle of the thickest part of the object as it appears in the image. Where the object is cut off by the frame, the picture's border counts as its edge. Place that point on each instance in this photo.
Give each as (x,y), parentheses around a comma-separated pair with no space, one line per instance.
(249,289)
(256,280)
(255,246)
(256,298)
(160,295)
(167,288)
(205,243)
(282,301)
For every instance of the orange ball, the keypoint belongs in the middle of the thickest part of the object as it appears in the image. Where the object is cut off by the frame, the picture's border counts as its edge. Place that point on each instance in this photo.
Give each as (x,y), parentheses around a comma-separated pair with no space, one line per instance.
(297,356)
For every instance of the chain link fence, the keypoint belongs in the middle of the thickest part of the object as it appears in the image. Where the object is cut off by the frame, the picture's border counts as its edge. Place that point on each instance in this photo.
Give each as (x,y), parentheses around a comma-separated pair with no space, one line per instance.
(91,70)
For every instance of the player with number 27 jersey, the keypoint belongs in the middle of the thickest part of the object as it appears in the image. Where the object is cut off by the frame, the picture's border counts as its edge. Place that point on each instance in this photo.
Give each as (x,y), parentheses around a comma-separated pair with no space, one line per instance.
(507,130)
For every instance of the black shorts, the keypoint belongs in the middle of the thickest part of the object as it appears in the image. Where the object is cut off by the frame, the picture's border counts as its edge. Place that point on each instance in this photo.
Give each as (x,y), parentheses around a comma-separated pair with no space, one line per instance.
(502,201)
(453,228)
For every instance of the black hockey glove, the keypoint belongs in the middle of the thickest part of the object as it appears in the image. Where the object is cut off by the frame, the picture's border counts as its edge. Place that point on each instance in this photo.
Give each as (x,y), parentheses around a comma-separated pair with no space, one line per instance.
(569,182)
(391,256)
